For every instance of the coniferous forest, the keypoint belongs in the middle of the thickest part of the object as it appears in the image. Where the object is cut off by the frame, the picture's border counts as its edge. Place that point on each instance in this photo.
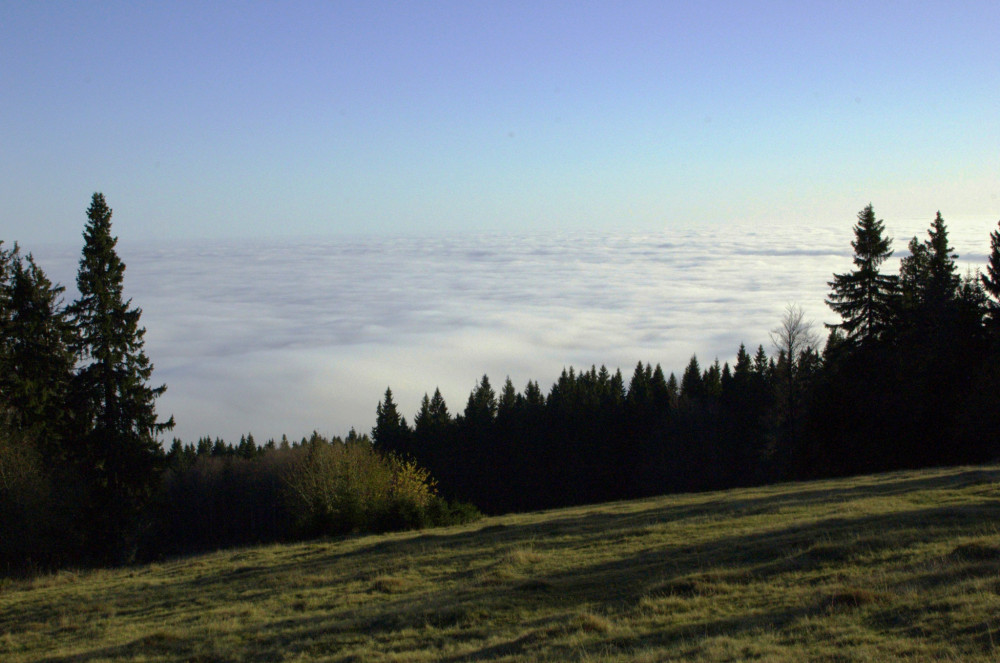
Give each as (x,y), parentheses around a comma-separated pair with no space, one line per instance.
(909,378)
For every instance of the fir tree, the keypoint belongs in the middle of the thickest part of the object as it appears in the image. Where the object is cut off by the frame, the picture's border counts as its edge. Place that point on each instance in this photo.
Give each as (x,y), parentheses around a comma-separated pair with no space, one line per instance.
(691,381)
(481,409)
(507,402)
(120,452)
(390,433)
(913,275)
(36,362)
(943,279)
(991,279)
(865,298)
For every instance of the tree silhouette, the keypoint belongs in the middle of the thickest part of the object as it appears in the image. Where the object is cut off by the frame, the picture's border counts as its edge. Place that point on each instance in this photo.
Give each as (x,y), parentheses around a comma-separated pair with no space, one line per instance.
(991,279)
(865,298)
(119,449)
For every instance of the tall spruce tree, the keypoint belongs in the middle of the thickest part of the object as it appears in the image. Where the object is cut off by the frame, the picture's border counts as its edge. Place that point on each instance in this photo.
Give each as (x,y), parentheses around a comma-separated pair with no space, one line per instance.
(119,453)
(865,298)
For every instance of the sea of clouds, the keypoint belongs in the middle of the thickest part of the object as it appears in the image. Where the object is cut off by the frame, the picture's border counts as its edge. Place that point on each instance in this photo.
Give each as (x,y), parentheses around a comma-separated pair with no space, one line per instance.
(291,336)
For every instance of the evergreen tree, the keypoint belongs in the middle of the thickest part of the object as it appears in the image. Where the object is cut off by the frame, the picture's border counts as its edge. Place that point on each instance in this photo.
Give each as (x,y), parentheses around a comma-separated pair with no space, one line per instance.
(943,279)
(711,380)
(673,389)
(692,387)
(507,403)
(439,409)
(422,420)
(913,271)
(481,409)
(36,362)
(865,298)
(991,279)
(743,367)
(120,453)
(391,433)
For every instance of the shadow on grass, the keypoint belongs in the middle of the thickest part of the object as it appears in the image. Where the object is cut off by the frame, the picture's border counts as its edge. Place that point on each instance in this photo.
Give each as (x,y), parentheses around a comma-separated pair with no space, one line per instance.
(462,606)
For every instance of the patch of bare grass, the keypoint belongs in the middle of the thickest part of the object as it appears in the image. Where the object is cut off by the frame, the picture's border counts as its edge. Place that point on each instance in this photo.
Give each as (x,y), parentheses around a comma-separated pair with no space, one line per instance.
(593,623)
(386,584)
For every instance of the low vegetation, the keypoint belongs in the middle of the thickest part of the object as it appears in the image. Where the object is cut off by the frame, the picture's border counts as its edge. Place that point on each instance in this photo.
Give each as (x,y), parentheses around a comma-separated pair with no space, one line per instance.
(900,566)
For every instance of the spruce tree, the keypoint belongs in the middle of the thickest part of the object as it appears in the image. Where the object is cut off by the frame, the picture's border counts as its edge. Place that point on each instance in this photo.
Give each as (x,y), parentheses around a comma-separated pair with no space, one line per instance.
(439,409)
(929,283)
(36,362)
(119,453)
(943,278)
(391,433)
(507,401)
(865,298)
(481,408)
(692,387)
(913,275)
(991,279)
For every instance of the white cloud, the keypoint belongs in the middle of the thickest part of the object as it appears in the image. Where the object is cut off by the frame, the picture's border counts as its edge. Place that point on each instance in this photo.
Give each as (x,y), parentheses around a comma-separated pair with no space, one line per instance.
(295,336)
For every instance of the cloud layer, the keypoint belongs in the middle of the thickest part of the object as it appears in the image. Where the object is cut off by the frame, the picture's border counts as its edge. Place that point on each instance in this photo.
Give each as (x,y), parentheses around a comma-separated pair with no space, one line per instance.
(293,336)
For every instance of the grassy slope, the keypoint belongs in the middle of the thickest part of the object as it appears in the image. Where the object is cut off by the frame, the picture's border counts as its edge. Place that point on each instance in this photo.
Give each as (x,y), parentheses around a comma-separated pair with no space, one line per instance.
(896,566)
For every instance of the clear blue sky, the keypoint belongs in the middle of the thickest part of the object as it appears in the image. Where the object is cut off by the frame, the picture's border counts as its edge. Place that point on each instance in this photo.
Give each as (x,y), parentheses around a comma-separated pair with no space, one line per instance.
(255,119)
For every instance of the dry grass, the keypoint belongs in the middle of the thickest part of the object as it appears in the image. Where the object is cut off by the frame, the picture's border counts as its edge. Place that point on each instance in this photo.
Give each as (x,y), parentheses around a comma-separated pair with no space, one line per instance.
(902,566)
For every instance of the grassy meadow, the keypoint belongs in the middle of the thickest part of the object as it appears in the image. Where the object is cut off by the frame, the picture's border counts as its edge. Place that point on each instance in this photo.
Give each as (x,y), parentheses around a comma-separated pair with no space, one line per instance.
(901,566)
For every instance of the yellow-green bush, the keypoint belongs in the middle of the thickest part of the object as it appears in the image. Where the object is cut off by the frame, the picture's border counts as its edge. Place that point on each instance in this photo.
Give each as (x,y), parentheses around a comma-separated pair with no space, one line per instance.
(345,487)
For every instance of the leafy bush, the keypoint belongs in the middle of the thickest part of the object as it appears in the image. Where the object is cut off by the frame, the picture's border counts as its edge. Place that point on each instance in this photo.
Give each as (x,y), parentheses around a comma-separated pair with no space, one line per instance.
(346,487)
(318,487)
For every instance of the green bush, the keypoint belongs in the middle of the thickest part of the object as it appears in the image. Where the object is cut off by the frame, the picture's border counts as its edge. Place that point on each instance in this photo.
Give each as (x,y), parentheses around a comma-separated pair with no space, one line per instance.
(342,487)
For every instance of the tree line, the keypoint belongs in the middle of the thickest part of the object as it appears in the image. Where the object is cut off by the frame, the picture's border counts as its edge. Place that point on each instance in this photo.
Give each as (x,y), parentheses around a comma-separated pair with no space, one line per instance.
(910,377)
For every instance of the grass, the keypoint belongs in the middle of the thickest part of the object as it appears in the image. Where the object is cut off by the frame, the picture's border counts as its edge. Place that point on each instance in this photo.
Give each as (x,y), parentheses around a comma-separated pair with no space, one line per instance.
(902,566)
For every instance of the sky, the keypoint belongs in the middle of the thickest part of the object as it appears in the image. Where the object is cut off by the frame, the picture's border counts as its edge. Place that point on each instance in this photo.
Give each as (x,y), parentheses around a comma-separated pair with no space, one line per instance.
(317,200)
(268,119)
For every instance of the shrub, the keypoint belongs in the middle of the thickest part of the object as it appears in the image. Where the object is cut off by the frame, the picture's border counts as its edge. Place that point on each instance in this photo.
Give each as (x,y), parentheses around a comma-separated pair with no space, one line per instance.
(343,487)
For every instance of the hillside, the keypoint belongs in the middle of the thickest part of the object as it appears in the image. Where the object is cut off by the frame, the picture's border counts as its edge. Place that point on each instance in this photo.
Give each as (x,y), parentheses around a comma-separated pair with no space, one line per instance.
(895,566)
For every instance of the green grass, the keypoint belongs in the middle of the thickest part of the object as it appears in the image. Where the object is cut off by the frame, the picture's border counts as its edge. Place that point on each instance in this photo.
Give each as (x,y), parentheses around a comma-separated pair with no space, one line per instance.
(902,566)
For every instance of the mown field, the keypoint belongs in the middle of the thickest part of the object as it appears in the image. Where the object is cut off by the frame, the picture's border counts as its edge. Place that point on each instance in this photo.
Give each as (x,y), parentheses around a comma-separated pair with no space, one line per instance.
(902,566)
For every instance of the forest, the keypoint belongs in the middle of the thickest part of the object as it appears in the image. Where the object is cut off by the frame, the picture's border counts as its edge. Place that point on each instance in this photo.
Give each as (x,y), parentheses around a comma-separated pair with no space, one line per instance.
(909,378)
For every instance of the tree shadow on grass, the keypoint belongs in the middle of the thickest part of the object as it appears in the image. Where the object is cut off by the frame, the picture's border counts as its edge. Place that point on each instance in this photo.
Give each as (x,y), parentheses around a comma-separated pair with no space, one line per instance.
(462,605)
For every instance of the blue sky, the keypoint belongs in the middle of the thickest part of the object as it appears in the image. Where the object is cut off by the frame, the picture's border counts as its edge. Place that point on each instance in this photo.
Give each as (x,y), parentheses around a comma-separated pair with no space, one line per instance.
(263,119)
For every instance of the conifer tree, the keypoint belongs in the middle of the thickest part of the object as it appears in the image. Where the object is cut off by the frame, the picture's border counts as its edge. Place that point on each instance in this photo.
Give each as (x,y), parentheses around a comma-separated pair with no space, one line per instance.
(865,298)
(692,386)
(913,275)
(930,284)
(36,362)
(481,409)
(120,451)
(943,278)
(507,402)
(391,432)
(422,420)
(760,362)
(991,279)
(439,409)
